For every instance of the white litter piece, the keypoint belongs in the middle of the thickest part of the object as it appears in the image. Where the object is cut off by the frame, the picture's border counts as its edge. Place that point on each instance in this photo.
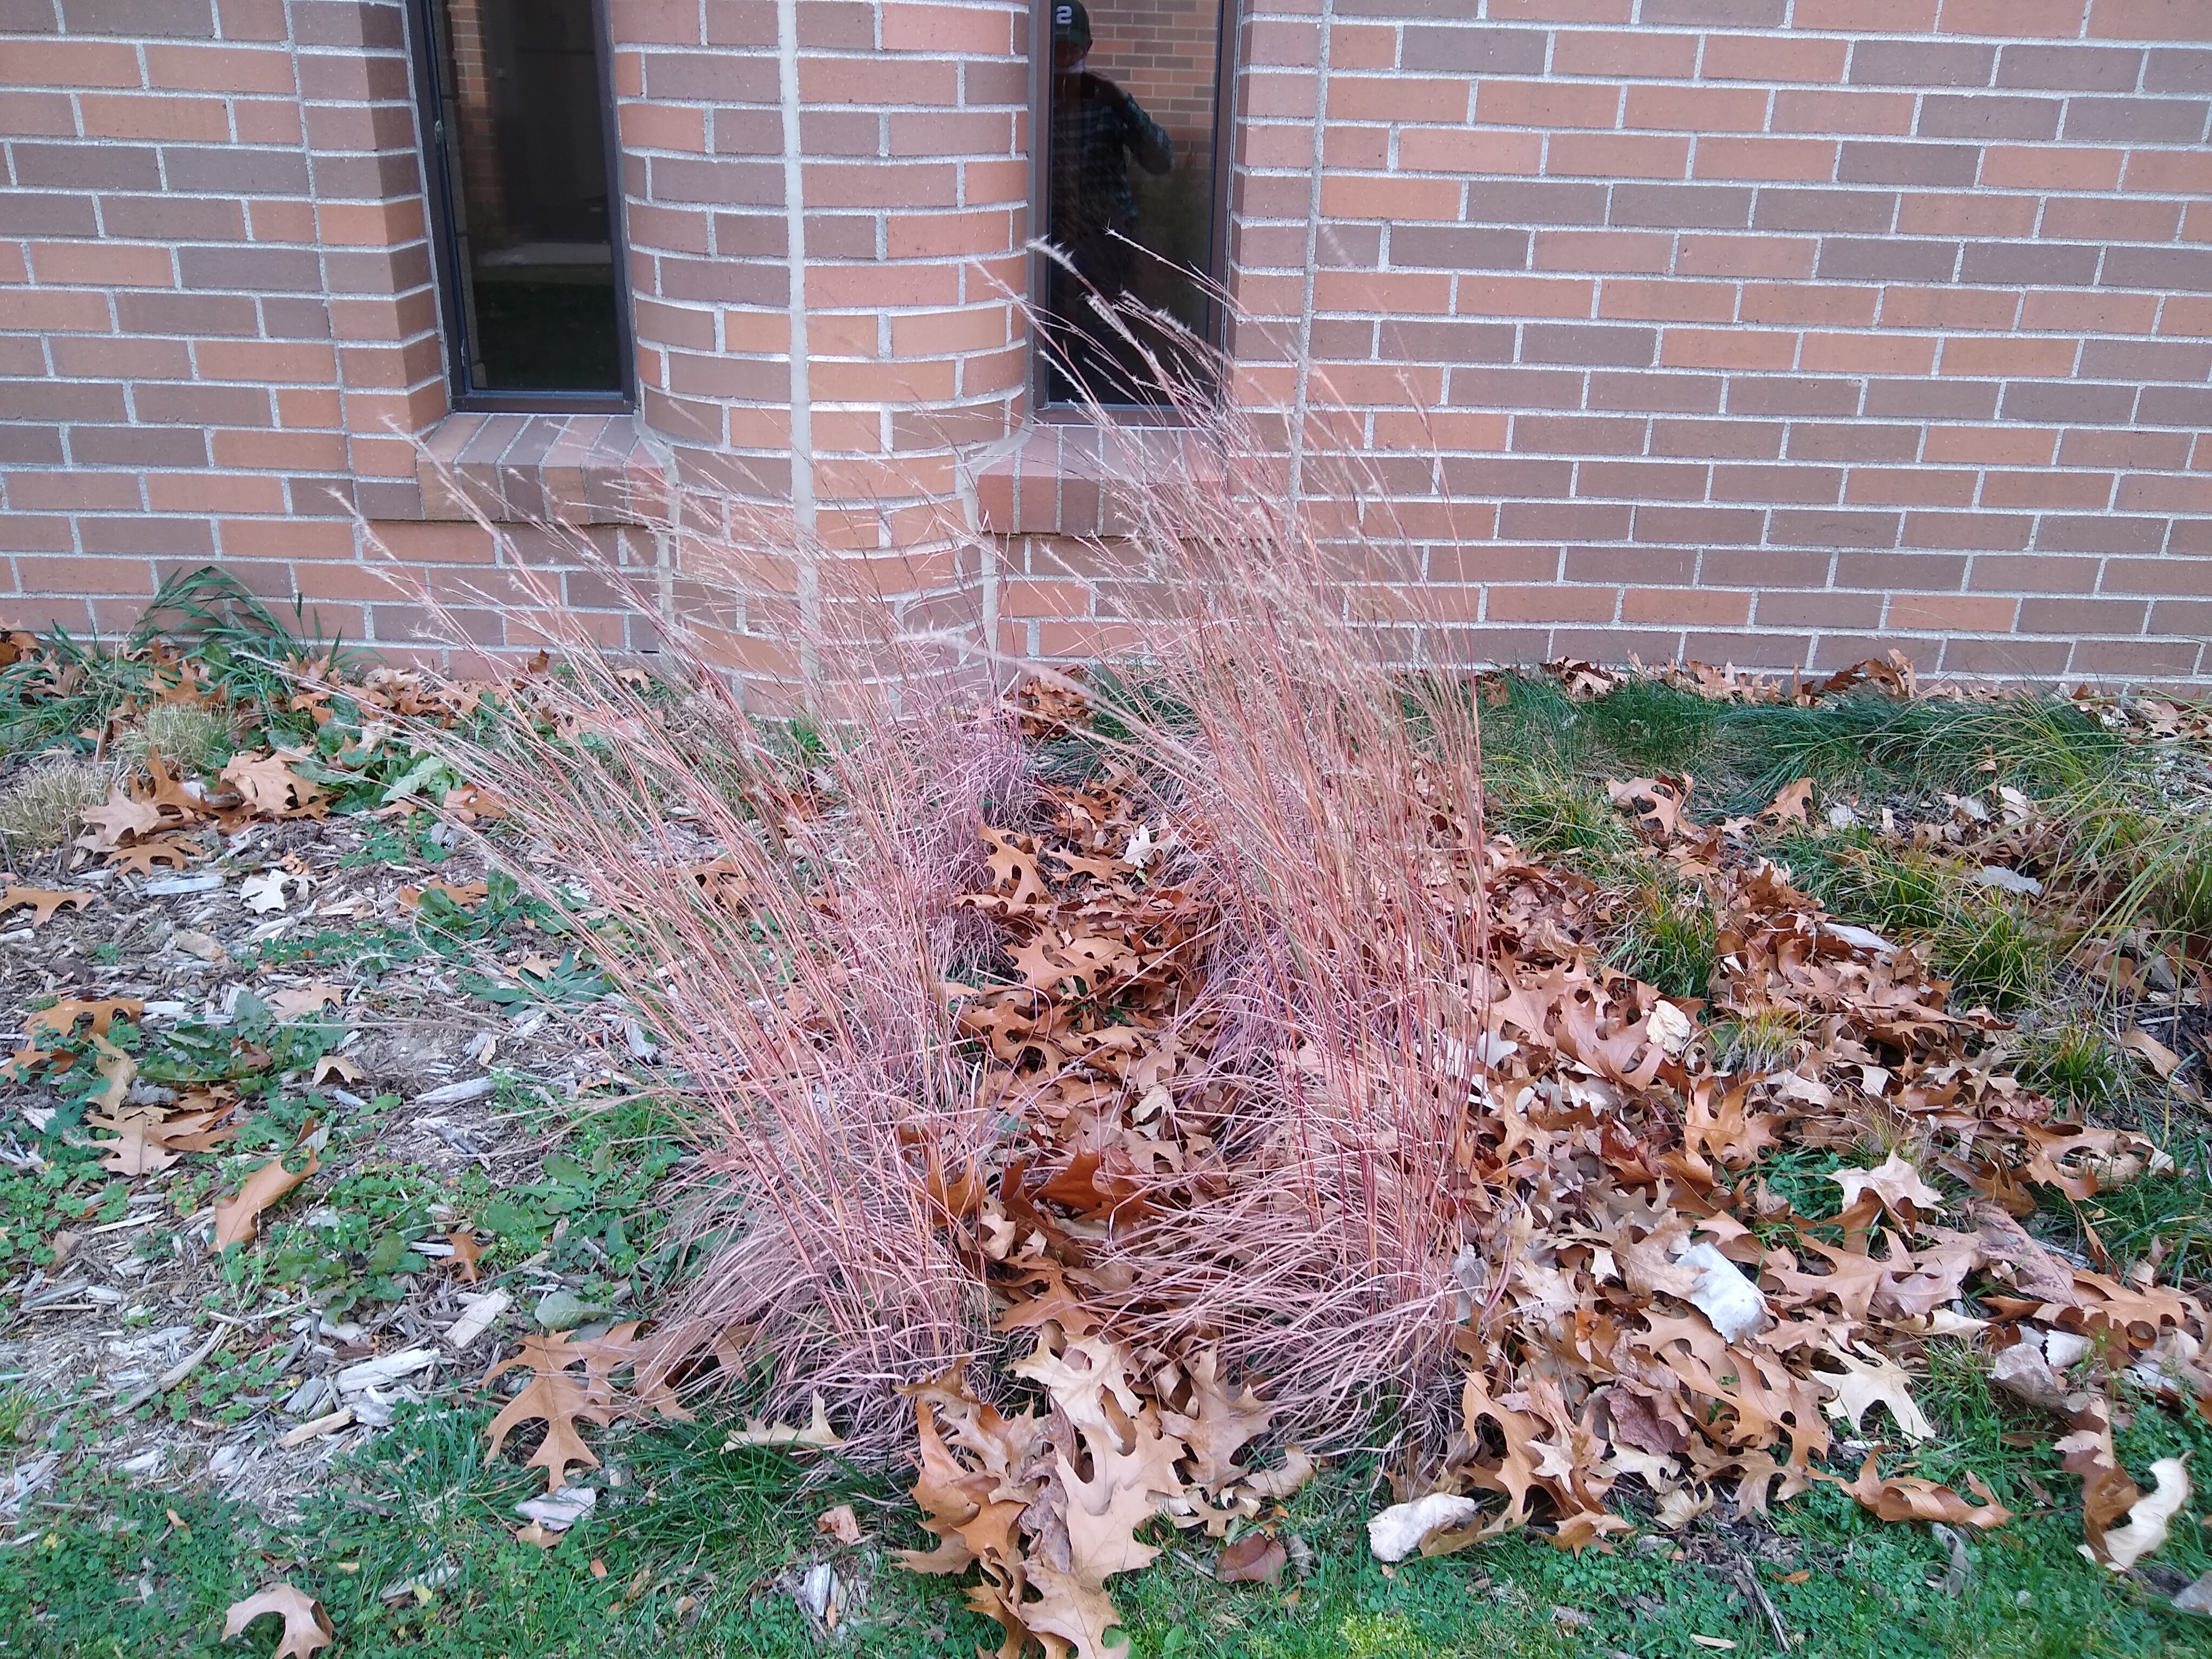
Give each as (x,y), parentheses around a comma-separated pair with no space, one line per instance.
(330,1423)
(557,1511)
(386,1370)
(1404,1527)
(454,1094)
(479,1312)
(26,1478)
(1723,1294)
(164,886)
(821,1594)
(264,890)
(1669,1027)
(1859,938)
(2005,880)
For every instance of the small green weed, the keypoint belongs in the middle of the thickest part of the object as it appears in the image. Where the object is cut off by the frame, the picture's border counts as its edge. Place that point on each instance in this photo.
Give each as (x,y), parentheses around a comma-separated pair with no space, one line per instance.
(1546,814)
(1668,936)
(2077,1063)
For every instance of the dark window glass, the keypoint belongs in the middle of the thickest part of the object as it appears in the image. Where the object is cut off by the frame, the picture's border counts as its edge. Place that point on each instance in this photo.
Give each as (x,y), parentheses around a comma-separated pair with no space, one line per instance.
(1132,188)
(517,110)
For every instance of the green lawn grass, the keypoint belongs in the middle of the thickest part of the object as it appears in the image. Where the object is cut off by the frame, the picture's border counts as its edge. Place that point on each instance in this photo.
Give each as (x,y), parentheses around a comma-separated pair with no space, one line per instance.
(695,1541)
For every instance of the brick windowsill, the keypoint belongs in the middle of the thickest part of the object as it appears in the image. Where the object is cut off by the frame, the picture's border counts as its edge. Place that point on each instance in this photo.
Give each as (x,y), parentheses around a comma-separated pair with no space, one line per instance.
(564,468)
(1071,478)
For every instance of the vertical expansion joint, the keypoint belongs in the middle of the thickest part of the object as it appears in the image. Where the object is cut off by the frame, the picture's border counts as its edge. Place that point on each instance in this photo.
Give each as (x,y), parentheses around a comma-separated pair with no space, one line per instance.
(802,407)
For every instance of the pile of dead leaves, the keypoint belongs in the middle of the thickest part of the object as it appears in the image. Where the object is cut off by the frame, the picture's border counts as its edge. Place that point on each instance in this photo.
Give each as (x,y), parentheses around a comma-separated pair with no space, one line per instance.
(1643,1320)
(1642,1307)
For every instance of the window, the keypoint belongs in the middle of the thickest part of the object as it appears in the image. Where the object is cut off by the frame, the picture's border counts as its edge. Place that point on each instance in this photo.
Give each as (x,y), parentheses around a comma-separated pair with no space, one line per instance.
(525,216)
(1131,191)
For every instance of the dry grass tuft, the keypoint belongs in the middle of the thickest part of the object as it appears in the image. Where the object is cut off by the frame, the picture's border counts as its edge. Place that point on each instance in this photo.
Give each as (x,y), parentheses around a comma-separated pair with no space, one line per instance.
(40,807)
(185,734)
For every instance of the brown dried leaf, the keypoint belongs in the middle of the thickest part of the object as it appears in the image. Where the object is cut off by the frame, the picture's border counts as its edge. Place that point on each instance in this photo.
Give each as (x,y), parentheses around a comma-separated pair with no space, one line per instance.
(117,816)
(2149,1520)
(817,1436)
(2107,1493)
(1216,1425)
(1664,817)
(2161,1059)
(839,1522)
(294,1001)
(1255,1559)
(120,1070)
(1895,1184)
(1908,1498)
(237,1217)
(307,1627)
(1876,1380)
(1793,805)
(559,1401)
(139,860)
(468,1250)
(43,900)
(462,894)
(60,1021)
(270,786)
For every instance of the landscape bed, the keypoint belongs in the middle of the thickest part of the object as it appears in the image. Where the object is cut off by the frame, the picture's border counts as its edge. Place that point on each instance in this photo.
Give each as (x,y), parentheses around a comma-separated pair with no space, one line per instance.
(1524,1089)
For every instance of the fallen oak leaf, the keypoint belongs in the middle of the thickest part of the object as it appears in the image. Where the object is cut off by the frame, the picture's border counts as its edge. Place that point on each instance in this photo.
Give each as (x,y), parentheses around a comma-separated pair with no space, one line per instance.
(120,1070)
(838,1521)
(1896,1185)
(43,900)
(460,895)
(147,1142)
(307,1627)
(2107,1493)
(139,860)
(237,1217)
(1792,806)
(336,1067)
(468,1250)
(119,816)
(266,890)
(1670,797)
(1298,1469)
(270,786)
(61,1019)
(1909,1497)
(2160,1058)
(298,1000)
(555,1398)
(1865,1383)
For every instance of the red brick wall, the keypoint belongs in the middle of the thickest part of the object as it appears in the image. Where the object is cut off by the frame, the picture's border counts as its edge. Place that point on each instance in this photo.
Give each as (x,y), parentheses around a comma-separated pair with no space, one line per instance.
(1765,330)
(1770,330)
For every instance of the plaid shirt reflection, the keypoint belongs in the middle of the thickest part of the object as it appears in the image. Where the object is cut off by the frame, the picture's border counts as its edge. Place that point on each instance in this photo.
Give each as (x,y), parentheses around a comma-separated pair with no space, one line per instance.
(1096,127)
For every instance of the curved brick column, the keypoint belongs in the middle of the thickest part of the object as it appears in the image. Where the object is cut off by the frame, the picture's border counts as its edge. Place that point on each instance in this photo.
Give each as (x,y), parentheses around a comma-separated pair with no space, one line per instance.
(827,202)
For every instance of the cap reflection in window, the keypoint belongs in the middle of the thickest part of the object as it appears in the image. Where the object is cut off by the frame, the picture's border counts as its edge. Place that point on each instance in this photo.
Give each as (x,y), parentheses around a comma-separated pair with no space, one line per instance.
(1131,204)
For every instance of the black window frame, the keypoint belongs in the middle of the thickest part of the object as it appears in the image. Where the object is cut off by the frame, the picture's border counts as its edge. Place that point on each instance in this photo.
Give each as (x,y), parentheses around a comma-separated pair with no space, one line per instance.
(444,248)
(1072,410)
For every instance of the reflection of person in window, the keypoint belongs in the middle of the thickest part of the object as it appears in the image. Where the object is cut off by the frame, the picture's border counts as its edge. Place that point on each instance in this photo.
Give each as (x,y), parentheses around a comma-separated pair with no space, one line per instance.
(1096,128)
